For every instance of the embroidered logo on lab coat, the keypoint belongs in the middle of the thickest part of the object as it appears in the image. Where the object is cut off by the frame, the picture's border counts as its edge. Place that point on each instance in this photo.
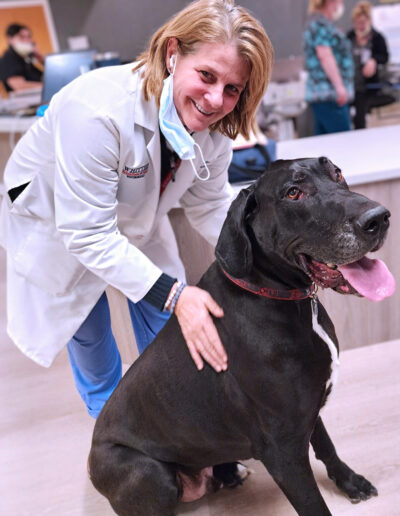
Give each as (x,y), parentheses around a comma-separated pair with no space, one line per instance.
(136,173)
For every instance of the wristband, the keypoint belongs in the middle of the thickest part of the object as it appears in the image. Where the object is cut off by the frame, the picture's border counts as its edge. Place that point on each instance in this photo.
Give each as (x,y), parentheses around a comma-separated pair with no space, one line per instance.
(172,292)
(176,297)
(173,296)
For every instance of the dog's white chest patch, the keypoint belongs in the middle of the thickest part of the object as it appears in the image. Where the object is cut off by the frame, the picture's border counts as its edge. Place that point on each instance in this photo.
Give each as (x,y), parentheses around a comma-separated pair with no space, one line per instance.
(325,337)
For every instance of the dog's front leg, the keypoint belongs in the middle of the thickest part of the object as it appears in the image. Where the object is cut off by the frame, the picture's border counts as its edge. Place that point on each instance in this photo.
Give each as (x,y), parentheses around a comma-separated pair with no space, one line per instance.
(355,486)
(292,472)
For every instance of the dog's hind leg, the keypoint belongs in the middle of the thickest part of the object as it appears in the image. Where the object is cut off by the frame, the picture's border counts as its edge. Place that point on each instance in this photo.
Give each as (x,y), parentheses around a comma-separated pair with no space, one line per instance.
(289,466)
(356,487)
(134,483)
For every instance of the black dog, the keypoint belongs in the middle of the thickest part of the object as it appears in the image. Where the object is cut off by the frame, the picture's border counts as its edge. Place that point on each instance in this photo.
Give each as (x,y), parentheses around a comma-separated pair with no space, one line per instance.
(166,423)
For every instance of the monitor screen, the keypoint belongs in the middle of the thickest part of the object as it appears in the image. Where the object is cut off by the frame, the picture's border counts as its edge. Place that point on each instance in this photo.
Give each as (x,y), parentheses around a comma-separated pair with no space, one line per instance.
(61,68)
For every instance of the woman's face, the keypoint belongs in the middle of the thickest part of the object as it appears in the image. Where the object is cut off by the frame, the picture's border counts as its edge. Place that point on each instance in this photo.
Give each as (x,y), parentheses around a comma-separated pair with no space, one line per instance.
(362,24)
(207,83)
(335,9)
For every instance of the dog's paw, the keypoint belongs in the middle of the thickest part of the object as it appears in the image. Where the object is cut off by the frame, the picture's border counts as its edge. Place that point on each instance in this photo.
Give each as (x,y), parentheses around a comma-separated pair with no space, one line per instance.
(356,487)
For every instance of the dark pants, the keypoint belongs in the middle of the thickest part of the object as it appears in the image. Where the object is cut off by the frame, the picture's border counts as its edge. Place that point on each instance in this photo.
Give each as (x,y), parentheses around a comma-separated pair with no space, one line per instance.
(365,100)
(330,118)
(361,102)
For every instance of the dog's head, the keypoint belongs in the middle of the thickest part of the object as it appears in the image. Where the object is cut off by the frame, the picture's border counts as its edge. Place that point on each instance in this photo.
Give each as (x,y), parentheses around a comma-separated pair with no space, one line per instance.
(301,216)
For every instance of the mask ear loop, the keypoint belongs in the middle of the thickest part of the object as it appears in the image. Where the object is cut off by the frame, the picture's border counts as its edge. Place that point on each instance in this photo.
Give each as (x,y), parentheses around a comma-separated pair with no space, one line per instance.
(172,62)
(205,178)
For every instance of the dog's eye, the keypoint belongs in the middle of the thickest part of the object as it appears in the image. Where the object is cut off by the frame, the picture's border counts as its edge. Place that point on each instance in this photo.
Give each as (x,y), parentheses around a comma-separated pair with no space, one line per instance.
(293,193)
(339,176)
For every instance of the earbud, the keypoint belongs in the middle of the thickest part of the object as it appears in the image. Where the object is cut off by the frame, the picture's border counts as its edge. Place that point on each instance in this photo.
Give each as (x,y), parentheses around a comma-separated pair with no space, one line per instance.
(172,63)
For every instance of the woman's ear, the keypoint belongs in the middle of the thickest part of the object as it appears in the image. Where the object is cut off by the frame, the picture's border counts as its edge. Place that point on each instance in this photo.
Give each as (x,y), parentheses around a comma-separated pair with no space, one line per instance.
(172,50)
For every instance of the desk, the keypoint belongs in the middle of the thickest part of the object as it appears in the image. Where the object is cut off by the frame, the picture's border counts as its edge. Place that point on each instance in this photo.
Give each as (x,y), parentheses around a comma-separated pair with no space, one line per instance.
(370,161)
(17,124)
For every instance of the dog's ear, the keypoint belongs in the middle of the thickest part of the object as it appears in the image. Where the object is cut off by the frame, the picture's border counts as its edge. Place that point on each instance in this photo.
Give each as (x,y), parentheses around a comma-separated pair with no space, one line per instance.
(233,251)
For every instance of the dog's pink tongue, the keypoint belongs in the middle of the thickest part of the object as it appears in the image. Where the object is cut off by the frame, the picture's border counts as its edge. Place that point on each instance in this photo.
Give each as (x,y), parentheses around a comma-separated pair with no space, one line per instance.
(371,278)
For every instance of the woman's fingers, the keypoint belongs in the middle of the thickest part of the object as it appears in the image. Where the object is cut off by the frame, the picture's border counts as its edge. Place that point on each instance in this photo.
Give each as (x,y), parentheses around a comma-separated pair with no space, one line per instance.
(210,352)
(214,344)
(212,306)
(211,334)
(193,312)
(195,355)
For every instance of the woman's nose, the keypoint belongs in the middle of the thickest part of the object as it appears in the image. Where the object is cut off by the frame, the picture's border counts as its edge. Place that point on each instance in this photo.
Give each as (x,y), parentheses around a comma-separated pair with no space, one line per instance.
(215,97)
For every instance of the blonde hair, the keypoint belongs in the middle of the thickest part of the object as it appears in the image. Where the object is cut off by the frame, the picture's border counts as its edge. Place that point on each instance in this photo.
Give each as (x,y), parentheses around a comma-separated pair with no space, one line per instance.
(315,5)
(361,9)
(208,21)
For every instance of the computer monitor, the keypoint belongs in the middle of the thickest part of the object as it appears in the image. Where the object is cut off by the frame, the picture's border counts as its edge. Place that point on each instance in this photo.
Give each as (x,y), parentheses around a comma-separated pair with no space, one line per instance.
(61,68)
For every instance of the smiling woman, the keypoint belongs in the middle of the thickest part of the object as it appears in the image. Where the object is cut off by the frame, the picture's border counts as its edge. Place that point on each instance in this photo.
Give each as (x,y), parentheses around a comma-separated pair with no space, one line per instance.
(88,206)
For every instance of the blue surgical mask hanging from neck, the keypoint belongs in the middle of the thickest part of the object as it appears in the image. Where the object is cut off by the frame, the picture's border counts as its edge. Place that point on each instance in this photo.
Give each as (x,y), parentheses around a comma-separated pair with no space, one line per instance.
(173,128)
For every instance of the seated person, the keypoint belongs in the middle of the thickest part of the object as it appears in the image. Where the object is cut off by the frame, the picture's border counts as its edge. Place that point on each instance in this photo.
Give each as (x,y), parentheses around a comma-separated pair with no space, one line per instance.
(19,64)
(369,51)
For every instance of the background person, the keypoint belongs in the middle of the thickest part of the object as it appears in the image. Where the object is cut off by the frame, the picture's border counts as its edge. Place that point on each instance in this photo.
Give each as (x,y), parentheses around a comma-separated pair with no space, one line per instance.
(90,185)
(329,63)
(369,51)
(18,65)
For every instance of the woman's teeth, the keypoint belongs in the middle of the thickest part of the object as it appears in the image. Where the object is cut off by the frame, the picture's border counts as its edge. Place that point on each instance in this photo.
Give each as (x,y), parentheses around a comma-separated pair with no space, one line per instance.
(201,109)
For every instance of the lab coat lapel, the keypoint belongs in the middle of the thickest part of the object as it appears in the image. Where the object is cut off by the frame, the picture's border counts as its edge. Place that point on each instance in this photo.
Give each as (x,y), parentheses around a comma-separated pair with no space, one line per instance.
(146,115)
(154,154)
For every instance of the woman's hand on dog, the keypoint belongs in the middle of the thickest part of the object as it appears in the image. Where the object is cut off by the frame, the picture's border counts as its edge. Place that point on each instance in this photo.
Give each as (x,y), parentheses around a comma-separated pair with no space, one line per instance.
(193,310)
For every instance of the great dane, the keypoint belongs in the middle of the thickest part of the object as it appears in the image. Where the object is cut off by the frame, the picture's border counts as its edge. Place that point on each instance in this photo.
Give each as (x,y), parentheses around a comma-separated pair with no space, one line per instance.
(297,227)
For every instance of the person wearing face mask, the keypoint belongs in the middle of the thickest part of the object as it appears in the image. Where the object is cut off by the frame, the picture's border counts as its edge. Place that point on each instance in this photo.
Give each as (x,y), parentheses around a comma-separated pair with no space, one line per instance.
(369,51)
(89,187)
(329,63)
(20,65)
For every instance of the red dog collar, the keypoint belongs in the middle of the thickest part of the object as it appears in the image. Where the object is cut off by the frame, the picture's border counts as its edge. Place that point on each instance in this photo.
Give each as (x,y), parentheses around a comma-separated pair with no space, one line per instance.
(272,293)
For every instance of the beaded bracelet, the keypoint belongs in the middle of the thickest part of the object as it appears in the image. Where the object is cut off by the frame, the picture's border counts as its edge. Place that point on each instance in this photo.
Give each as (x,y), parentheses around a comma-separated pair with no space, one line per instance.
(176,297)
(172,292)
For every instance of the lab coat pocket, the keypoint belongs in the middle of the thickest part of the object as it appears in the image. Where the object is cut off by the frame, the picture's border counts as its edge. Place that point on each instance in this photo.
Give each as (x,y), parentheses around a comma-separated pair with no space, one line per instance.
(43,260)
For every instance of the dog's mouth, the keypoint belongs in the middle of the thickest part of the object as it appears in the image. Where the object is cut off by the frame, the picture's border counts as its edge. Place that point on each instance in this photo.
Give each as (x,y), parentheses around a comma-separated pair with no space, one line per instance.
(366,277)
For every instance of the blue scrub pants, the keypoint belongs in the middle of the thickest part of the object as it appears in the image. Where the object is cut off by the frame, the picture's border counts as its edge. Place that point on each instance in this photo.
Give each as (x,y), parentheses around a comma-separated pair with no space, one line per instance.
(93,352)
(330,118)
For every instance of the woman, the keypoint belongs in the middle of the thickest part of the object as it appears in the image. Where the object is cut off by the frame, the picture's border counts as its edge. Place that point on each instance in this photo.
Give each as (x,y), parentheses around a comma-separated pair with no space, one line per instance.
(369,51)
(90,185)
(329,64)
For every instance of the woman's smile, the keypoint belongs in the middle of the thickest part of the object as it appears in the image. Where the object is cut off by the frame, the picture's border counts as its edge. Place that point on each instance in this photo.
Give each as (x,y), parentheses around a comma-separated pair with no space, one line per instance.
(202,111)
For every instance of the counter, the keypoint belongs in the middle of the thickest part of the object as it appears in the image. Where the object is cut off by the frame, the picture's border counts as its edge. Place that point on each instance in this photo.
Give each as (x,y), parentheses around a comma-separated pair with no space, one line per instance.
(364,156)
(11,128)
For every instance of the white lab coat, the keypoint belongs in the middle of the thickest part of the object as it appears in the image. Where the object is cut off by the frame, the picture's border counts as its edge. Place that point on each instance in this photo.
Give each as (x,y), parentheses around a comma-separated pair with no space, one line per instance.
(91,215)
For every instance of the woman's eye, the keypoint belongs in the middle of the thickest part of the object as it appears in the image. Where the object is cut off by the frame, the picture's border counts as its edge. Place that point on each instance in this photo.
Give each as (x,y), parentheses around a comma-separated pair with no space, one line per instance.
(205,74)
(293,193)
(232,89)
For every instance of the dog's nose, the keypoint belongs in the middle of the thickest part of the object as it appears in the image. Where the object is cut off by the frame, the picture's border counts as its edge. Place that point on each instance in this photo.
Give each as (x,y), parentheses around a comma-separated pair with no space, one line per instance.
(374,220)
